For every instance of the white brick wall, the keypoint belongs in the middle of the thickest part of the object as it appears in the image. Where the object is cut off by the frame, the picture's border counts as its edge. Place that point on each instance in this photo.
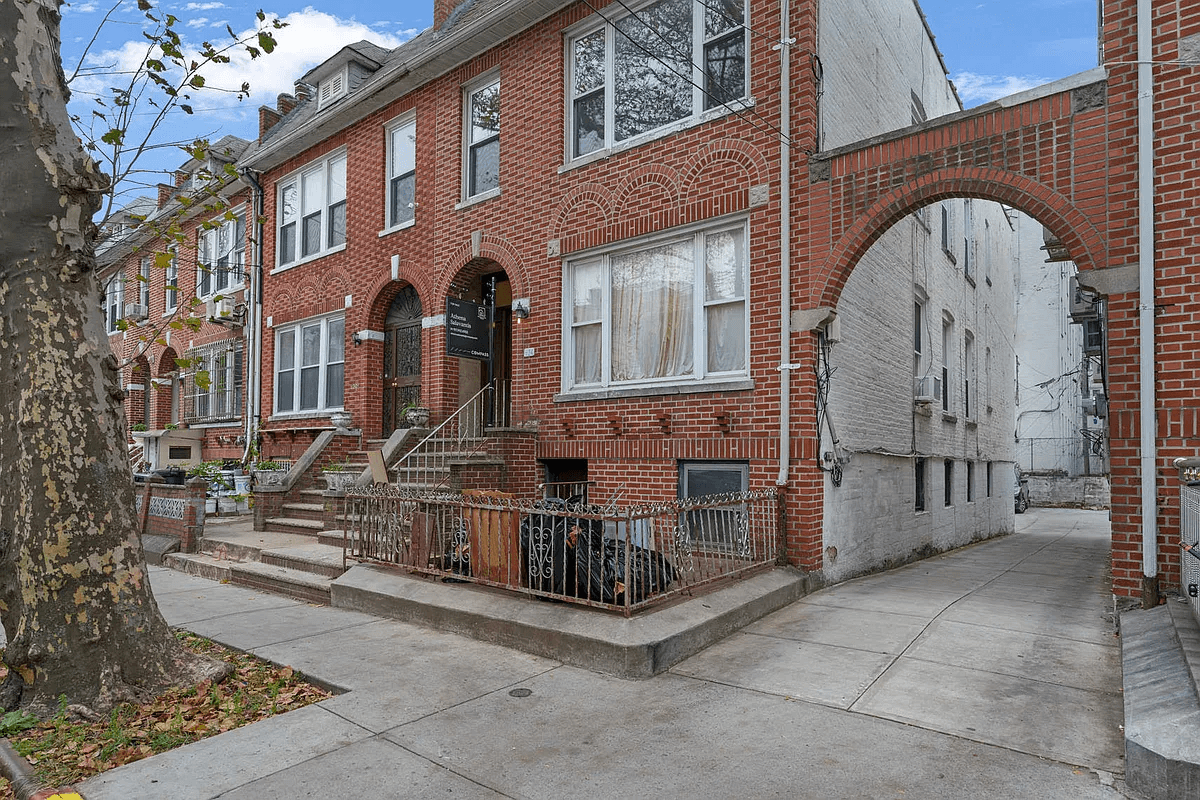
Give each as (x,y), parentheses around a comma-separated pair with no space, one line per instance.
(874,55)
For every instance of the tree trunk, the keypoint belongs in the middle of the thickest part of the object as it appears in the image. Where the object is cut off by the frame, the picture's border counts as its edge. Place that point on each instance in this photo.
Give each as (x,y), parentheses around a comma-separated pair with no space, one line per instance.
(75,599)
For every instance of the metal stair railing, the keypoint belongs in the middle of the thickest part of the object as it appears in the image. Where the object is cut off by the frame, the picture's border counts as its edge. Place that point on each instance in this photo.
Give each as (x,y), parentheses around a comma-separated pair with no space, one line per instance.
(425,466)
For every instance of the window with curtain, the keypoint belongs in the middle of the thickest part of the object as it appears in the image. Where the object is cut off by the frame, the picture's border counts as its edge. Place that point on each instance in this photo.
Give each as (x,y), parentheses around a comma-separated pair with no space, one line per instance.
(221,256)
(483,139)
(670,310)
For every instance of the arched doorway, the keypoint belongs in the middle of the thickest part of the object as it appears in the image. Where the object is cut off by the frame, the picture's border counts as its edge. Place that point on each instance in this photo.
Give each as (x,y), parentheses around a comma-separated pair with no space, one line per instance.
(401,357)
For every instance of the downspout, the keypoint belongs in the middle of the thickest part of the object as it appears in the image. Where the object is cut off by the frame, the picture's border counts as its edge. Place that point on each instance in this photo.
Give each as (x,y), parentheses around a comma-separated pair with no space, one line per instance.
(785,242)
(1146,294)
(253,319)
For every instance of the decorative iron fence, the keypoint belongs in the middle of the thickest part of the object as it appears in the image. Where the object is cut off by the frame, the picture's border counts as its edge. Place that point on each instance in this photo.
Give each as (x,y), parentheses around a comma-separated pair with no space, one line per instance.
(1189,533)
(623,559)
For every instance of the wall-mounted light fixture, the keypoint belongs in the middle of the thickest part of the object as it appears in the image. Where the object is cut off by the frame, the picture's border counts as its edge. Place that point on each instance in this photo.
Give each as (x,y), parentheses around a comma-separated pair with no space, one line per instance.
(520,308)
(356,338)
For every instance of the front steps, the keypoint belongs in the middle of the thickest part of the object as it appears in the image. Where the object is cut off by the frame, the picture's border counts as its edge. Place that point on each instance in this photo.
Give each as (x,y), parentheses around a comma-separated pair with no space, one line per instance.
(294,565)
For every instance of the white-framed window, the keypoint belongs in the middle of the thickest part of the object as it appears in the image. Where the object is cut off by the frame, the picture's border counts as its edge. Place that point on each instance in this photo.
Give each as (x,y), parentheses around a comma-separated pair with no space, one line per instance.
(664,62)
(171,285)
(309,368)
(970,481)
(919,301)
(332,88)
(947,363)
(114,302)
(402,171)
(144,282)
(666,310)
(221,256)
(481,163)
(218,396)
(312,211)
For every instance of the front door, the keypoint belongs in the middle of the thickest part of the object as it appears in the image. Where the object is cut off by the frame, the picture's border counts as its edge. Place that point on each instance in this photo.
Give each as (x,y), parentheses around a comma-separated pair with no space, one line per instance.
(401,358)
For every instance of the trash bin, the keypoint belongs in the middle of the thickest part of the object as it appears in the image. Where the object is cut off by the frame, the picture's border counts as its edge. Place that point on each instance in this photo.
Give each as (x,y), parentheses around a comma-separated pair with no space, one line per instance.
(173,476)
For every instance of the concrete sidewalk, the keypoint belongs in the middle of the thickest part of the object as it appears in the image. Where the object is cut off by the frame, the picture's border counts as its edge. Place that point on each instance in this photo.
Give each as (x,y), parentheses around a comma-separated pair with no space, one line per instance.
(989,672)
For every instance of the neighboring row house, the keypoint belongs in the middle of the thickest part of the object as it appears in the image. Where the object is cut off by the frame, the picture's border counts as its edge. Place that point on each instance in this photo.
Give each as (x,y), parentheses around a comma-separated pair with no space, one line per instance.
(614,188)
(175,277)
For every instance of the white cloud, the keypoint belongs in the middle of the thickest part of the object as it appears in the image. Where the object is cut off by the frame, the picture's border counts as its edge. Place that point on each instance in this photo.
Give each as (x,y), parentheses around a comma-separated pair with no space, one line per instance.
(82,8)
(975,89)
(197,22)
(203,6)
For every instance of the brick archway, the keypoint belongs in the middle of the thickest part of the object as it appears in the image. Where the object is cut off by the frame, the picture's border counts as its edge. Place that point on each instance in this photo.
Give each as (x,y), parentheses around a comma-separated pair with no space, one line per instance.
(1039,201)
(1065,154)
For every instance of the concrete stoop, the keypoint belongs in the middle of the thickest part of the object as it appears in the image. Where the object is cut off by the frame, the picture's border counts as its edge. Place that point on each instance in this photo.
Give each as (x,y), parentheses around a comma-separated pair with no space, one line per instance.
(1160,659)
(639,647)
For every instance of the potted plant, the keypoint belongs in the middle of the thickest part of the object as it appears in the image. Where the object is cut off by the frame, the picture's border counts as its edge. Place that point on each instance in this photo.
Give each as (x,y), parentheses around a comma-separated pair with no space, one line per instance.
(416,416)
(138,427)
(340,419)
(269,473)
(337,477)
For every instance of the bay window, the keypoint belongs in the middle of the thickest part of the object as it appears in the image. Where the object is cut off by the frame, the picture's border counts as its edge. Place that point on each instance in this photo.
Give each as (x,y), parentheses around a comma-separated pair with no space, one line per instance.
(309,365)
(669,310)
(312,211)
(662,63)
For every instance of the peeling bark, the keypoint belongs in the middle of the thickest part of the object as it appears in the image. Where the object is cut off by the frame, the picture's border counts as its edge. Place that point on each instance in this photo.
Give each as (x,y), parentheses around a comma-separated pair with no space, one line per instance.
(75,599)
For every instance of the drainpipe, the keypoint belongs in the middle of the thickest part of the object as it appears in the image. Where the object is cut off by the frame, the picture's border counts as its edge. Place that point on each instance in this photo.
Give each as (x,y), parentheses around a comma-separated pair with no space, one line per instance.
(1146,293)
(785,243)
(253,317)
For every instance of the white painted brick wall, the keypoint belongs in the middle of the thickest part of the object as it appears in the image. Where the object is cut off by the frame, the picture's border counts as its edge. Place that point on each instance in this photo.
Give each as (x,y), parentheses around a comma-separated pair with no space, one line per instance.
(874,54)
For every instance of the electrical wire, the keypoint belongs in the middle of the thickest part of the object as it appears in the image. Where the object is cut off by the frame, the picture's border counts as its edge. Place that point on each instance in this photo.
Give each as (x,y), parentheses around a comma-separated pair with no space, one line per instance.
(763,125)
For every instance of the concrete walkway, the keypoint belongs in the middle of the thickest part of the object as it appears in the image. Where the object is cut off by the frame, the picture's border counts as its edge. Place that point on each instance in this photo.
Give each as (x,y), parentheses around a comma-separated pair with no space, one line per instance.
(991,672)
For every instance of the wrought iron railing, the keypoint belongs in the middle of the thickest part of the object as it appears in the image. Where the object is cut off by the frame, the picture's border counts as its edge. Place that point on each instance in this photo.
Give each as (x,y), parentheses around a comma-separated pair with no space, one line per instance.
(426,466)
(1189,533)
(617,558)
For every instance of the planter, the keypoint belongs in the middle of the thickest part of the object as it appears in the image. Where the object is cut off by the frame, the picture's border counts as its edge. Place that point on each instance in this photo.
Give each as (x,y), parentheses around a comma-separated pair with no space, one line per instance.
(339,481)
(417,417)
(340,419)
(270,477)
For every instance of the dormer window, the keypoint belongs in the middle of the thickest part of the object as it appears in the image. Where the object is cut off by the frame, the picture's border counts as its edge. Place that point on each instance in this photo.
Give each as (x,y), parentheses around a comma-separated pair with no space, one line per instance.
(331,88)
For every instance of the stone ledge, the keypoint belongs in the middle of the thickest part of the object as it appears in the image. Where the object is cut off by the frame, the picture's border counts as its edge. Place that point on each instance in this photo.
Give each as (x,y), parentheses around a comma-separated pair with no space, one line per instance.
(635,648)
(1162,708)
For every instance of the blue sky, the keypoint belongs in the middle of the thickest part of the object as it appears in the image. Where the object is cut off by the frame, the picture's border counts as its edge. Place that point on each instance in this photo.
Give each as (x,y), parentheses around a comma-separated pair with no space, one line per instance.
(991,48)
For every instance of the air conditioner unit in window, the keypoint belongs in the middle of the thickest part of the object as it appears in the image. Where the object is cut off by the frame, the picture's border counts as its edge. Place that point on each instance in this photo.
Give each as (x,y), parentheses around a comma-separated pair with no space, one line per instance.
(927,389)
(135,312)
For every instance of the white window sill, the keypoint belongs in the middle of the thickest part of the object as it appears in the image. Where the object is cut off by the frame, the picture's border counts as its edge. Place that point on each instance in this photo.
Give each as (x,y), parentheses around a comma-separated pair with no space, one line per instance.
(402,226)
(290,416)
(479,198)
(654,390)
(307,259)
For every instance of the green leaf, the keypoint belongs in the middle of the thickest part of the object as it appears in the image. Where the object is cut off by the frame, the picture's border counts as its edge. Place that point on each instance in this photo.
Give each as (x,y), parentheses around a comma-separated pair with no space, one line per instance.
(266,41)
(197,81)
(185,108)
(115,137)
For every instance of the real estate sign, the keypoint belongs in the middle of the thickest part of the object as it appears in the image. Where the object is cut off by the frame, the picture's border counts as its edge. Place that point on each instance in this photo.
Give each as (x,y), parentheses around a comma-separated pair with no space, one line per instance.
(468,330)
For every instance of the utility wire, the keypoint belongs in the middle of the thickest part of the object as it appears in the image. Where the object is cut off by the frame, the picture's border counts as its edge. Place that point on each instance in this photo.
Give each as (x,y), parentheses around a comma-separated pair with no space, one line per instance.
(763,125)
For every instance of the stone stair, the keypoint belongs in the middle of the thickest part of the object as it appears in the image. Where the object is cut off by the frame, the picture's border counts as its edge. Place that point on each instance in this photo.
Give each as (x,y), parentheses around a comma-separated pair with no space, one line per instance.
(294,565)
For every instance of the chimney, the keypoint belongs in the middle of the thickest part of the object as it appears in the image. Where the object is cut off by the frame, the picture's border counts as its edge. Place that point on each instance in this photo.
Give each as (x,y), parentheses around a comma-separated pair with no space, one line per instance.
(267,118)
(165,190)
(284,104)
(442,9)
(181,177)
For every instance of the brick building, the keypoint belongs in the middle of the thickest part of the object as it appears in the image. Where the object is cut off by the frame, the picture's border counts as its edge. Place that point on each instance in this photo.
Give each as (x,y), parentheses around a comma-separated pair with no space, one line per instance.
(619,196)
(175,274)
